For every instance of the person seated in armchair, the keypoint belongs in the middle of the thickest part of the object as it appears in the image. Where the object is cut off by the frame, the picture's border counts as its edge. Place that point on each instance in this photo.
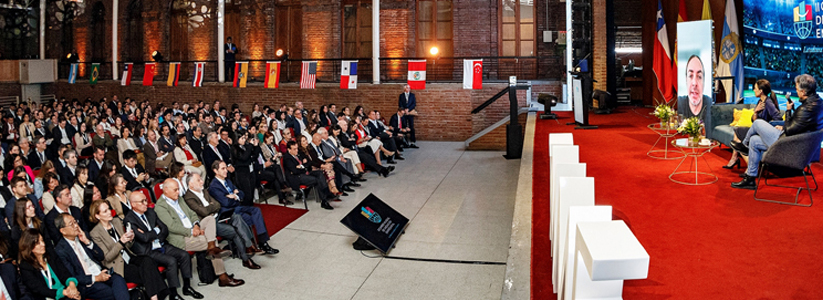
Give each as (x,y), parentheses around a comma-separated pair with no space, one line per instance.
(807,117)
(766,109)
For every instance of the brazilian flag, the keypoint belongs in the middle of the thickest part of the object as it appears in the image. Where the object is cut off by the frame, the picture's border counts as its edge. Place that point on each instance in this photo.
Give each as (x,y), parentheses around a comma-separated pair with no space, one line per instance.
(95,73)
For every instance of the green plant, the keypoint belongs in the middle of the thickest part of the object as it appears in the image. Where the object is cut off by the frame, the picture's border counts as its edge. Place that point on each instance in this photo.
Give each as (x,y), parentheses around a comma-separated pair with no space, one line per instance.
(692,127)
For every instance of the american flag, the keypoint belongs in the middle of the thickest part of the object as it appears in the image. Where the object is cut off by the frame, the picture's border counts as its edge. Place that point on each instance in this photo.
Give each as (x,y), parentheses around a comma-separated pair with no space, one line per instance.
(308,75)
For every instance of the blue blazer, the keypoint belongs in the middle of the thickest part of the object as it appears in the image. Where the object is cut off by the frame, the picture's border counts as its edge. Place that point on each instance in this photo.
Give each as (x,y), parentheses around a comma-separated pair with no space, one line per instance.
(410,104)
(72,263)
(219,192)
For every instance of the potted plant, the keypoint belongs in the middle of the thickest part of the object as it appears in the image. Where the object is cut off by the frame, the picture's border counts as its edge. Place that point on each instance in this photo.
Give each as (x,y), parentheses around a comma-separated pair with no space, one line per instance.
(665,113)
(693,127)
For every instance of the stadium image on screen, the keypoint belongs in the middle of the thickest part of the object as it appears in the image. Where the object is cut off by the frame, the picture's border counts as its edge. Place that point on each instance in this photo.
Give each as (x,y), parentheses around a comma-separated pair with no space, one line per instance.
(782,39)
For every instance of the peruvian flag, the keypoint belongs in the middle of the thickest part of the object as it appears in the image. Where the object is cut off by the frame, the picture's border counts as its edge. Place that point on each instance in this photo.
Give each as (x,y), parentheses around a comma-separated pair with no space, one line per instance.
(472,74)
(198,74)
(662,60)
(126,80)
(417,74)
(148,75)
(348,75)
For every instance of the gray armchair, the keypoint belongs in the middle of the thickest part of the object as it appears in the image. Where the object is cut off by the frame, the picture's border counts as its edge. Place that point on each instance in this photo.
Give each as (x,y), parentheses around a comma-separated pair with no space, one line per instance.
(790,157)
(721,116)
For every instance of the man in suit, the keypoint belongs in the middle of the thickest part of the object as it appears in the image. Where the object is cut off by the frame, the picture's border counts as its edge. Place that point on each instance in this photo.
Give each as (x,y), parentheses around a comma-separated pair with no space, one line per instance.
(379,132)
(38,156)
(103,139)
(168,121)
(408,103)
(20,192)
(348,141)
(212,153)
(72,127)
(230,197)
(67,173)
(154,155)
(165,142)
(96,164)
(150,239)
(39,130)
(133,172)
(195,141)
(188,232)
(235,230)
(82,258)
(398,126)
(329,156)
(298,123)
(14,287)
(230,50)
(297,173)
(62,204)
(60,134)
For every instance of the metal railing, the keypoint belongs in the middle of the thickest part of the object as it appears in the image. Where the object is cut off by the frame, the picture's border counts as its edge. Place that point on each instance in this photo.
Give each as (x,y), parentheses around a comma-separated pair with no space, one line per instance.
(9,100)
(444,69)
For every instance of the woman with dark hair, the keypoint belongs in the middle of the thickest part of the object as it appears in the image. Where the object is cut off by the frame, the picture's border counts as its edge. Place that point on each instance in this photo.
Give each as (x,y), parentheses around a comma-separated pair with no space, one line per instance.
(82,140)
(43,277)
(126,142)
(303,147)
(115,242)
(24,217)
(766,109)
(102,181)
(118,196)
(39,183)
(90,194)
(324,116)
(185,155)
(359,111)
(81,179)
(281,120)
(178,172)
(346,111)
(18,161)
(51,181)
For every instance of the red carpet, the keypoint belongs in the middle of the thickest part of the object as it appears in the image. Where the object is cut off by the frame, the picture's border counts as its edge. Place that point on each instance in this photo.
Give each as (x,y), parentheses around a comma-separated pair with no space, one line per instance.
(278,217)
(705,242)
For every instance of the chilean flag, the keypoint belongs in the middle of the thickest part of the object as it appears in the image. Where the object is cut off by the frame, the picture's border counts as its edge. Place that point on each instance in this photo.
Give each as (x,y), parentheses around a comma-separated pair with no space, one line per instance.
(348,76)
(662,60)
(126,81)
(417,74)
(472,74)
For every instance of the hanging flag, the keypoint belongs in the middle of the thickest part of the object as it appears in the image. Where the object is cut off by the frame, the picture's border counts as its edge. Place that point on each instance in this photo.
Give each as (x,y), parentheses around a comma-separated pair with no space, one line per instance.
(707,10)
(95,73)
(731,63)
(472,74)
(148,75)
(682,16)
(73,73)
(348,75)
(126,80)
(198,74)
(417,74)
(174,74)
(241,73)
(308,75)
(662,61)
(272,75)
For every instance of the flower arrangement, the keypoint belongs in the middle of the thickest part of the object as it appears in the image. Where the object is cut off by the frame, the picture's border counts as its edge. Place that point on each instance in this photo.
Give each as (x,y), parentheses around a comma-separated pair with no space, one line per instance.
(664,113)
(693,127)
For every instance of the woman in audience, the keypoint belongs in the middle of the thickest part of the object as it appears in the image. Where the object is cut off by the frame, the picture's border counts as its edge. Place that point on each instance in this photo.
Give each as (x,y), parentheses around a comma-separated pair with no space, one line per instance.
(139,137)
(102,181)
(125,143)
(334,132)
(272,168)
(8,161)
(287,137)
(261,133)
(82,140)
(327,168)
(24,217)
(47,200)
(39,183)
(80,181)
(185,155)
(346,112)
(366,142)
(178,172)
(115,242)
(766,109)
(119,196)
(359,111)
(18,161)
(90,194)
(281,120)
(44,277)
(26,129)
(324,116)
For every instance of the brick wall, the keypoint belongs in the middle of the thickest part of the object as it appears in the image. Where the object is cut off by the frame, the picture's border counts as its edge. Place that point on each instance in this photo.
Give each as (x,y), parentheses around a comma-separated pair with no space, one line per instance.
(599,44)
(445,109)
(10,89)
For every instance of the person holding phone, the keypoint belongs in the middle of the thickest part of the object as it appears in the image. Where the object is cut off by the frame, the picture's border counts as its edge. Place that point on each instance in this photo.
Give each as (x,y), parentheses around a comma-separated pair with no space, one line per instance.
(109,235)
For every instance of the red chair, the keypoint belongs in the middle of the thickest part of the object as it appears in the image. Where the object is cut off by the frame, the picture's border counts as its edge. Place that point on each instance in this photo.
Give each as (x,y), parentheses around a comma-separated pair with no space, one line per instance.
(35,172)
(158,190)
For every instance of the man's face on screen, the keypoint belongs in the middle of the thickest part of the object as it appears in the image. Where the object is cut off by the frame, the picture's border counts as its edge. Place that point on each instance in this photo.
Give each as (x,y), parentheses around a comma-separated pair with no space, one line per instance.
(694,78)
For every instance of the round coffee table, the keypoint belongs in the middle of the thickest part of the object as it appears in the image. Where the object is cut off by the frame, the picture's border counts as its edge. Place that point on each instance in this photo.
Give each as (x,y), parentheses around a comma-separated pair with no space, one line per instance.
(693,151)
(665,133)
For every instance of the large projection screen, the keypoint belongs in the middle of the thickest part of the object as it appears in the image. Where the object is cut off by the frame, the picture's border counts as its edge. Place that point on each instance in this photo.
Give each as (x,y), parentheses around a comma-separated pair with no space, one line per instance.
(694,69)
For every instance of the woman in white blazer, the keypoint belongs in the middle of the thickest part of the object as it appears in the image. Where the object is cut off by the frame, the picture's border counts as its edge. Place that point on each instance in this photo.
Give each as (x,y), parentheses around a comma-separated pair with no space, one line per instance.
(185,155)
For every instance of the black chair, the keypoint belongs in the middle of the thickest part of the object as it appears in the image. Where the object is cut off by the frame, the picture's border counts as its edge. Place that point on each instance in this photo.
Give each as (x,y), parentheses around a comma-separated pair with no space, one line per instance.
(791,157)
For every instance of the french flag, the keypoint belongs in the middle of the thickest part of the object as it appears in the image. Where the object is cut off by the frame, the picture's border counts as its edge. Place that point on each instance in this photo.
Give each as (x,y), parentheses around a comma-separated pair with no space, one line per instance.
(348,75)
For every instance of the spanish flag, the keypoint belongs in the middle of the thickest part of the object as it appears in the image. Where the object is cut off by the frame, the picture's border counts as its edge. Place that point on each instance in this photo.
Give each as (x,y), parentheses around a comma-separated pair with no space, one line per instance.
(241,73)
(272,74)
(174,74)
